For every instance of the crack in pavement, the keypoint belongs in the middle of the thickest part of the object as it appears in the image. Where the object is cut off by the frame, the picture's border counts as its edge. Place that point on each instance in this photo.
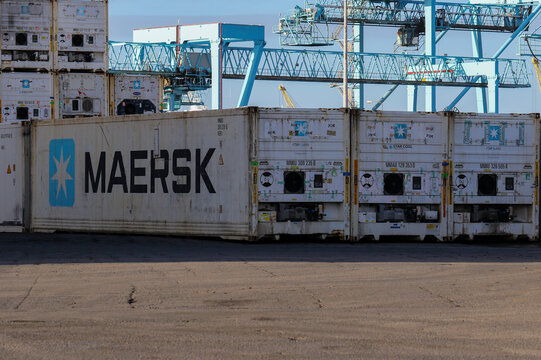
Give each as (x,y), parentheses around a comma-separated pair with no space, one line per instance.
(448,299)
(260,268)
(27,293)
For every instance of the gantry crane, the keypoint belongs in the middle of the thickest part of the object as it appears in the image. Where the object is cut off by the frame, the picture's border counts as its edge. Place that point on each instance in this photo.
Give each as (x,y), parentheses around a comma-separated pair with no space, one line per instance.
(309,26)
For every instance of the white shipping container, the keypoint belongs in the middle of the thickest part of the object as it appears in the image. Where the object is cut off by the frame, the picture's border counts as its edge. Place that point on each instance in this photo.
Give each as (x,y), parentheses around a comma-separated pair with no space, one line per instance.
(12,177)
(302,171)
(81,35)
(137,94)
(25,96)
(198,173)
(82,95)
(26,34)
(399,160)
(495,169)
(176,173)
(162,34)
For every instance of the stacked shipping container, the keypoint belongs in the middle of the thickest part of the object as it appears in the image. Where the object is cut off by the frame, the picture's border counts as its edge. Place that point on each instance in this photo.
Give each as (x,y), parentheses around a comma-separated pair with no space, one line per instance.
(54,64)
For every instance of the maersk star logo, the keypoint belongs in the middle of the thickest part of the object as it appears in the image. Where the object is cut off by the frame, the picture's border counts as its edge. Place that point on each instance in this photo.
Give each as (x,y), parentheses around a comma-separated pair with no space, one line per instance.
(62,173)
(301,128)
(401,131)
(494,133)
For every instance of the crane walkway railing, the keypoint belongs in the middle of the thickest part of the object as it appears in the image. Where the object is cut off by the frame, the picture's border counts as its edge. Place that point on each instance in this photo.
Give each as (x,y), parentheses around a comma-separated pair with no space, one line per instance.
(190,66)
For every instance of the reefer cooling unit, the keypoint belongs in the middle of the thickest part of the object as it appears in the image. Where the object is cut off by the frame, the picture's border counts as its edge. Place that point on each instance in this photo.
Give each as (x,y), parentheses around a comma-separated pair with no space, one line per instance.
(81,35)
(495,169)
(25,96)
(302,172)
(81,95)
(25,28)
(137,94)
(400,160)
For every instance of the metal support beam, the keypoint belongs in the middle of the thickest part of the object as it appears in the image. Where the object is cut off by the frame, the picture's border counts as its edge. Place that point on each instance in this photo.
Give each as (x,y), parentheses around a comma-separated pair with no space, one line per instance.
(248,84)
(384,97)
(216,52)
(412,97)
(345,75)
(430,50)
(358,47)
(477,44)
(497,54)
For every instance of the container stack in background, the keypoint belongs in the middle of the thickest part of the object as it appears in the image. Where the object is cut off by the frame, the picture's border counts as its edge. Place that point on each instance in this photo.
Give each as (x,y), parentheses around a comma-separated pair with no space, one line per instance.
(54,64)
(27,77)
(80,58)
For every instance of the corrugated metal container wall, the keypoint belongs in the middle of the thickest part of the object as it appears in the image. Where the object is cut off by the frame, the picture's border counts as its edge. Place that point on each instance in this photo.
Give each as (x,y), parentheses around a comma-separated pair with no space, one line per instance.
(136,94)
(177,173)
(26,34)
(399,161)
(495,169)
(82,95)
(25,96)
(12,177)
(81,35)
(302,172)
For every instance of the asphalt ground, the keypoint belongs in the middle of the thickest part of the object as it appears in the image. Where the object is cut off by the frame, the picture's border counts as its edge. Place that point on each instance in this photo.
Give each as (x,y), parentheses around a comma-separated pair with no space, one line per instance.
(73,296)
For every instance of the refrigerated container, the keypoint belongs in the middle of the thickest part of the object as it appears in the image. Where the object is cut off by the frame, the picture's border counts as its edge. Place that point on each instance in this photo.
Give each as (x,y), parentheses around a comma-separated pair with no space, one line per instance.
(26,96)
(26,34)
(13,158)
(495,170)
(81,32)
(82,95)
(237,174)
(136,94)
(302,172)
(400,164)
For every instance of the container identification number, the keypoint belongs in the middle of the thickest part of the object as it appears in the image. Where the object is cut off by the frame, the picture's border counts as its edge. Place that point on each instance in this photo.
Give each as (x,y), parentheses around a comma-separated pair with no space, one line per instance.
(301,162)
(400,164)
(495,166)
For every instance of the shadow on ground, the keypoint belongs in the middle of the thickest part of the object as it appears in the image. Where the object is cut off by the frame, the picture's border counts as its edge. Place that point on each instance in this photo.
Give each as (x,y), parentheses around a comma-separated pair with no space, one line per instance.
(19,249)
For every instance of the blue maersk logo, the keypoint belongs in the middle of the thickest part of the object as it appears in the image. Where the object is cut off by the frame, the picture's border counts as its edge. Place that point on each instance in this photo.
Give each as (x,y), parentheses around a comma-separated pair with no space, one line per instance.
(301,128)
(62,173)
(401,131)
(494,133)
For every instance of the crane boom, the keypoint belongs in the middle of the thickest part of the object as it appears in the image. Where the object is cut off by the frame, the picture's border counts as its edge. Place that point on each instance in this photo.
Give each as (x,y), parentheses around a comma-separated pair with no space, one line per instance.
(287,99)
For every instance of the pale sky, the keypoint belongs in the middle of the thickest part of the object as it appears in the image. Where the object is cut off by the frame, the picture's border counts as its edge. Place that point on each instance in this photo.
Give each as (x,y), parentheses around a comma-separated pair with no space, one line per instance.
(128,14)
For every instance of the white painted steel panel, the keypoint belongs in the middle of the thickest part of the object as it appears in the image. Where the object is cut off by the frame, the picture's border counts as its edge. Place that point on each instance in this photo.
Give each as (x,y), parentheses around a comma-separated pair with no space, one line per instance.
(25,96)
(137,94)
(81,35)
(401,158)
(82,95)
(103,174)
(165,34)
(26,34)
(303,168)
(11,177)
(495,170)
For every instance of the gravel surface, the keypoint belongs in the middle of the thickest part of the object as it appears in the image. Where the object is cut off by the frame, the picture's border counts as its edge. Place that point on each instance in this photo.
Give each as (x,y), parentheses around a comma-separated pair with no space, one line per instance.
(66,296)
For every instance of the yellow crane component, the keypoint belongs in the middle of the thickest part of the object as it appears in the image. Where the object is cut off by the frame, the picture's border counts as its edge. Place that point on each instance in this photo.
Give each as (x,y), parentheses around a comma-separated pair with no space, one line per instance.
(287,99)
(535,62)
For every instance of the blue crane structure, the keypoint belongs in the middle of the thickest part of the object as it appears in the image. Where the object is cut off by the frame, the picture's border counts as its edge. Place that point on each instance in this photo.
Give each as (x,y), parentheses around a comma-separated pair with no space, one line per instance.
(204,56)
(189,68)
(308,26)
